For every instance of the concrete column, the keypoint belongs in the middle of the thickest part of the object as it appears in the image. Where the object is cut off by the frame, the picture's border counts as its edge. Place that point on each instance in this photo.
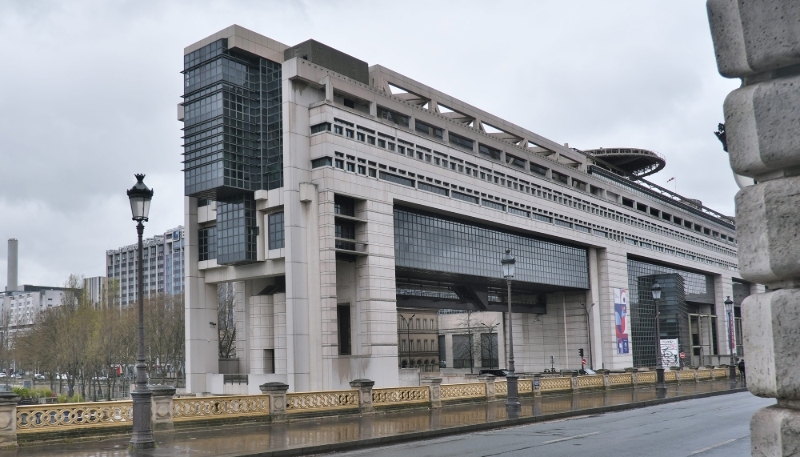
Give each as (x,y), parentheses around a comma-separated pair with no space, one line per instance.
(364,387)
(201,309)
(277,399)
(593,307)
(612,268)
(8,419)
(435,391)
(162,408)
(488,379)
(757,42)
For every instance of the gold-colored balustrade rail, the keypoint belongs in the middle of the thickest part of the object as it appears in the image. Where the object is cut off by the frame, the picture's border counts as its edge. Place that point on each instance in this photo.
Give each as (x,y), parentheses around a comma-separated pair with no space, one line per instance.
(38,418)
(301,402)
(464,390)
(590,381)
(228,406)
(397,395)
(555,384)
(670,376)
(647,378)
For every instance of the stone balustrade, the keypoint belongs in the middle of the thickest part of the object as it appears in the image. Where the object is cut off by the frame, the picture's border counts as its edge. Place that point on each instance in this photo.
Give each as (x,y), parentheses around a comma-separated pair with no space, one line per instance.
(275,404)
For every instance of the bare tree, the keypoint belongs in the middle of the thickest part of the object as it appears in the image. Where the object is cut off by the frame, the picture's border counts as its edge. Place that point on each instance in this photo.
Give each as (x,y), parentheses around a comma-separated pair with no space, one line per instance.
(226,323)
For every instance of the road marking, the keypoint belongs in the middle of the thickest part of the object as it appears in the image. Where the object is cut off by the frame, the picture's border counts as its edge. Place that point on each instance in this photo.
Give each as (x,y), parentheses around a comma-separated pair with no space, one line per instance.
(712,447)
(570,438)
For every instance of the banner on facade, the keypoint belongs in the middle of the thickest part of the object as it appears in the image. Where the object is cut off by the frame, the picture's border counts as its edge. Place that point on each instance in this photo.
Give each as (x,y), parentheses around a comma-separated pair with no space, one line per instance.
(622,320)
(670,353)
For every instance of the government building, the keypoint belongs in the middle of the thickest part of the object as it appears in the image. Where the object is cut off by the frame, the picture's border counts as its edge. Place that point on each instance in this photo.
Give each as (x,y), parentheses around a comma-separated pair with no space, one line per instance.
(340,197)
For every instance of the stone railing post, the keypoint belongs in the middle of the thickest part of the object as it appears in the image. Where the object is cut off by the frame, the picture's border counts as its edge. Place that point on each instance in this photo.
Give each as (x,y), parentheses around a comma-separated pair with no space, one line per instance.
(537,388)
(277,399)
(757,43)
(606,382)
(434,391)
(8,419)
(488,379)
(634,378)
(364,387)
(573,383)
(161,406)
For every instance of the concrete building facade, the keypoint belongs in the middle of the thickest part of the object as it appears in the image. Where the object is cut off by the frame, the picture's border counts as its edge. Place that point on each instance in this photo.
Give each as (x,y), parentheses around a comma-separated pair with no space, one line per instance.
(164,271)
(333,193)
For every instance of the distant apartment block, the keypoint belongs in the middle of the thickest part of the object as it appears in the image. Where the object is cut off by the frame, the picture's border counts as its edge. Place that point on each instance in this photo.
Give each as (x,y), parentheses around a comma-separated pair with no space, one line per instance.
(163,271)
(95,289)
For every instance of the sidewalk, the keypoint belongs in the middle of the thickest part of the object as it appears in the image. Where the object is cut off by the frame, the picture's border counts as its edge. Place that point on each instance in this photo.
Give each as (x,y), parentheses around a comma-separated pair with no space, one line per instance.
(351,432)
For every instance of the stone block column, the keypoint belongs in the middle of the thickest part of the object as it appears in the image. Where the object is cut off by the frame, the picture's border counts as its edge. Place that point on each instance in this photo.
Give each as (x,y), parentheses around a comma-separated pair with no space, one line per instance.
(8,419)
(489,380)
(364,387)
(162,408)
(435,391)
(277,399)
(758,43)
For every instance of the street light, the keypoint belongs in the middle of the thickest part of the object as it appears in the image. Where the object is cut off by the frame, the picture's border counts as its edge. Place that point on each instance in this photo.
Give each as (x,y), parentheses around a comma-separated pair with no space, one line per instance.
(512,400)
(656,290)
(731,337)
(408,335)
(142,437)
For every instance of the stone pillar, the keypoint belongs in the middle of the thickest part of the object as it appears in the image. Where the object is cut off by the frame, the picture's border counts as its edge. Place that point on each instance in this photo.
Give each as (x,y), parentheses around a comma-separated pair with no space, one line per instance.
(489,380)
(758,43)
(277,399)
(364,387)
(8,419)
(162,408)
(606,382)
(435,391)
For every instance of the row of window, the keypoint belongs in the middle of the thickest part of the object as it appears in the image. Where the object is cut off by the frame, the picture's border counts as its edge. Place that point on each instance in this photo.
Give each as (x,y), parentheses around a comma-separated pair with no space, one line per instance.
(347,162)
(508,181)
(422,345)
(422,324)
(504,180)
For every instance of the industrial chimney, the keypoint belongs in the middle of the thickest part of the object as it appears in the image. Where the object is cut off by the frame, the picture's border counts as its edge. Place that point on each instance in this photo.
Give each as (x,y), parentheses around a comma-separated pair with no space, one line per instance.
(11,284)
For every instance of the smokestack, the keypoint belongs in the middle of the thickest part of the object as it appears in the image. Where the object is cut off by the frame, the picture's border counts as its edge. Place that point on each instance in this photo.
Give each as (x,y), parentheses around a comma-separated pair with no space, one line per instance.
(11,284)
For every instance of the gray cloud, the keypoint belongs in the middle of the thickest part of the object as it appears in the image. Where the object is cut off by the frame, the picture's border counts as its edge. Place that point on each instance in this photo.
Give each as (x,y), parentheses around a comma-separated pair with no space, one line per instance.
(90,90)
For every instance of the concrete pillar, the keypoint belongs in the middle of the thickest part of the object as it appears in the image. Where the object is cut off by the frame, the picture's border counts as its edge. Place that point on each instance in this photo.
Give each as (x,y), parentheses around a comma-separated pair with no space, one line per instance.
(489,380)
(277,399)
(8,419)
(364,387)
(201,309)
(593,308)
(435,391)
(757,42)
(161,406)
(612,269)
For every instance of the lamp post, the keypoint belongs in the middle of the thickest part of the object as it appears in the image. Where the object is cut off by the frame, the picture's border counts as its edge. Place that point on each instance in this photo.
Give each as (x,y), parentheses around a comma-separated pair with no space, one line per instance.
(512,400)
(656,290)
(731,338)
(142,437)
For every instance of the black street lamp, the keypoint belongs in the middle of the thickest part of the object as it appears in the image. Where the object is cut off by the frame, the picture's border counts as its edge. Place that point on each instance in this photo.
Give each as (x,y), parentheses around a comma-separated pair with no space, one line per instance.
(731,338)
(512,400)
(656,290)
(142,437)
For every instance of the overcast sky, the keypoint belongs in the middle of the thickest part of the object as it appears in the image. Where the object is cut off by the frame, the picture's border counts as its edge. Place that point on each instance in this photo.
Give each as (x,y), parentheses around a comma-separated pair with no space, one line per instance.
(89,91)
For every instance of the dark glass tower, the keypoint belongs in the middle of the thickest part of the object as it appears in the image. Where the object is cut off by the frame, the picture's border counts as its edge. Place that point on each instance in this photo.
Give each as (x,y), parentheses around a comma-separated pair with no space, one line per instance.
(233,140)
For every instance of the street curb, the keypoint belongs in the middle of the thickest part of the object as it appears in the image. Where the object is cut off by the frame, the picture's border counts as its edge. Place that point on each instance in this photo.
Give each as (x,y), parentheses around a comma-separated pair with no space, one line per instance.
(429,434)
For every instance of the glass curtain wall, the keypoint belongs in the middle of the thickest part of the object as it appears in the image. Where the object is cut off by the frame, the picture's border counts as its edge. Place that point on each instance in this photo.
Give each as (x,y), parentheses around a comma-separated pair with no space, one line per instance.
(684,294)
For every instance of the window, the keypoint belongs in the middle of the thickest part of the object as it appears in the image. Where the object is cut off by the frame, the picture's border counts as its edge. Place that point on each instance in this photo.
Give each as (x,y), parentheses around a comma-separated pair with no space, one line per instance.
(493,205)
(343,322)
(460,141)
(362,170)
(345,206)
(349,133)
(430,188)
(515,161)
(351,166)
(560,177)
(361,137)
(428,129)
(269,361)
(321,162)
(339,164)
(275,231)
(323,127)
(338,129)
(393,116)
(345,229)
(396,179)
(372,172)
(381,143)
(464,197)
(494,153)
(518,212)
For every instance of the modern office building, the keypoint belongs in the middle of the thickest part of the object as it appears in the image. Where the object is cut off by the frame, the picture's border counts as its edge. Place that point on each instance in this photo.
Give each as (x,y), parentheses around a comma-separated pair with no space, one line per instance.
(332,192)
(164,272)
(95,289)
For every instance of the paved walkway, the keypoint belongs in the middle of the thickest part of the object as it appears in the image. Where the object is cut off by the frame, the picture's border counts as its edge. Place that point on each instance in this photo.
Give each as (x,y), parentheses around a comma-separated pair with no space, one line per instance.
(350,432)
